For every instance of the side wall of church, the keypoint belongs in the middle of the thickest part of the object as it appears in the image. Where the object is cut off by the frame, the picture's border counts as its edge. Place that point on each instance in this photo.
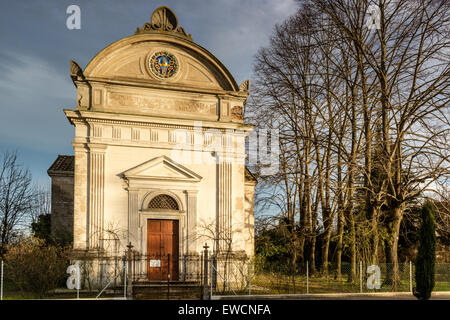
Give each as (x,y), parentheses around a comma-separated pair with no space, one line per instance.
(62,208)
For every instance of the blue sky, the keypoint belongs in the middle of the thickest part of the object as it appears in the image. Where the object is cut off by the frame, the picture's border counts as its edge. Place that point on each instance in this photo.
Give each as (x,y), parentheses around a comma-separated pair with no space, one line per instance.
(36,48)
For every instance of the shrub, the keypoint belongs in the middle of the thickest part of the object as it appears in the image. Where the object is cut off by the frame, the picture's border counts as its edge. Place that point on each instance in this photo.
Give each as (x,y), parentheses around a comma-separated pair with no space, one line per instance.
(426,256)
(34,266)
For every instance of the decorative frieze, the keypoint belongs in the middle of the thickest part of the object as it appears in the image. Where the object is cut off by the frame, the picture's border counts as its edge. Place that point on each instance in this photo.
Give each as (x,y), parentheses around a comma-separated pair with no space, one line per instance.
(97,131)
(207,138)
(135,134)
(155,104)
(116,133)
(172,136)
(153,135)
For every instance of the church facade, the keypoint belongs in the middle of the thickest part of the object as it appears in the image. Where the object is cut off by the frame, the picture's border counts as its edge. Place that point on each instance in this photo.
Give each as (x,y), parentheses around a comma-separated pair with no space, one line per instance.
(159,148)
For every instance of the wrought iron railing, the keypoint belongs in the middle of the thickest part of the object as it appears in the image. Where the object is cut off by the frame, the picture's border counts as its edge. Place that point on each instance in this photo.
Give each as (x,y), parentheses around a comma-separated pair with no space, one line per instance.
(165,267)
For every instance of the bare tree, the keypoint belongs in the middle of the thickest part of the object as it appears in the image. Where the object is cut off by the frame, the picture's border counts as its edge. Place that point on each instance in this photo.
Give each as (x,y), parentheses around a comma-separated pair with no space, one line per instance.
(16,198)
(363,120)
(408,54)
(41,202)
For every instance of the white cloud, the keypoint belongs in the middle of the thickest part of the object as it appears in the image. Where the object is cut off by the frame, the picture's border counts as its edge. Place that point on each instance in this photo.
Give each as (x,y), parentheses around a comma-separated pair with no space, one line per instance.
(233,30)
(28,76)
(33,95)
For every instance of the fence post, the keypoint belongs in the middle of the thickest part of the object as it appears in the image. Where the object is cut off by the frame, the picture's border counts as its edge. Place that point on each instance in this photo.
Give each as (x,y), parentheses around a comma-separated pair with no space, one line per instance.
(184,268)
(129,269)
(410,277)
(307,277)
(250,277)
(360,277)
(211,280)
(168,276)
(1,283)
(124,276)
(205,273)
(78,279)
(201,274)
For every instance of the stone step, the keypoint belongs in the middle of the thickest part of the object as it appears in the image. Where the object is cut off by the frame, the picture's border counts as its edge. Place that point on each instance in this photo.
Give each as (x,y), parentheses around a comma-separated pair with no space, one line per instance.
(158,290)
(162,283)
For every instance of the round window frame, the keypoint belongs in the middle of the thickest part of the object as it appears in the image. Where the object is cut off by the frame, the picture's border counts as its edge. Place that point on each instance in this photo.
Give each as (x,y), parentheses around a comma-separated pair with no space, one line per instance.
(153,55)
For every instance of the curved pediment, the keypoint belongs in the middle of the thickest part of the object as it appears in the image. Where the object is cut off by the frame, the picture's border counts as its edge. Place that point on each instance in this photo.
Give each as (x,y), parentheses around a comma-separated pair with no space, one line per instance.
(160,71)
(129,61)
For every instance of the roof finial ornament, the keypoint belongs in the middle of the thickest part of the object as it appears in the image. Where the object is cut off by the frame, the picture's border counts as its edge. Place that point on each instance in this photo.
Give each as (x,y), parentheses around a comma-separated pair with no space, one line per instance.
(75,71)
(245,86)
(163,20)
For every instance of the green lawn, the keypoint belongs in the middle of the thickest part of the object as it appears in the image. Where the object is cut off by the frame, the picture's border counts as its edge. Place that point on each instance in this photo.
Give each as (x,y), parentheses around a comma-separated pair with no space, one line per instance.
(267,283)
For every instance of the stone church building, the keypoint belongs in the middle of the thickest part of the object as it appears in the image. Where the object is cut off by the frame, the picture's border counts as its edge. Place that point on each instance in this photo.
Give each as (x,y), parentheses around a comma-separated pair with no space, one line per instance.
(159,150)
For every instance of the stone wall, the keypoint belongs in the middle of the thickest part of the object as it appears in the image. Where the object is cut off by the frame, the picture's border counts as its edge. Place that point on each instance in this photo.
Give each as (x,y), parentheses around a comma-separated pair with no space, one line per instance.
(62,208)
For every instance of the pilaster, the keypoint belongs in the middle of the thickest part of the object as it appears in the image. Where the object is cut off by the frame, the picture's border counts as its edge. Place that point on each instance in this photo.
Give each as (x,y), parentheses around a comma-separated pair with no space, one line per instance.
(96,195)
(191,237)
(80,199)
(225,201)
(133,217)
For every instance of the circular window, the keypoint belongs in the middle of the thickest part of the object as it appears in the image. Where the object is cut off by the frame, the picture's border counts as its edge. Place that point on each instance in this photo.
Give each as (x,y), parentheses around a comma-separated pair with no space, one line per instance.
(163,64)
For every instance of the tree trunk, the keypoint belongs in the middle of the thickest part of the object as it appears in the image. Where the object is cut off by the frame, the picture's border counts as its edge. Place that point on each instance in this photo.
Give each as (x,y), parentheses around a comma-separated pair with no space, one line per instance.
(340,243)
(392,257)
(375,235)
(312,256)
(352,235)
(326,243)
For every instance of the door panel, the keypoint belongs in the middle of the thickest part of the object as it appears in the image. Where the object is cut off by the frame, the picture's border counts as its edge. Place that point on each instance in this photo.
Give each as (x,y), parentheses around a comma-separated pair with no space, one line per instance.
(162,243)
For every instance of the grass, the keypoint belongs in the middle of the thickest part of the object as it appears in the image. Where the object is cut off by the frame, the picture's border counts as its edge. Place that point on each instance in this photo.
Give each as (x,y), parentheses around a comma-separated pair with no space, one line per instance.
(271,283)
(262,283)
(15,295)
(12,293)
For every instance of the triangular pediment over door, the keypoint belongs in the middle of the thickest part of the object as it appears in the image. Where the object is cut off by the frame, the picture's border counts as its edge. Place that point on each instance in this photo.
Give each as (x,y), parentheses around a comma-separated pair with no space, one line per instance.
(162,168)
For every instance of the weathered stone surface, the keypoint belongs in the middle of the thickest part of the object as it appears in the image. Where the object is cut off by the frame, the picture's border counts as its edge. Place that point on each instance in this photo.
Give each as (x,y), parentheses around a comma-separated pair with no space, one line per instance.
(61,174)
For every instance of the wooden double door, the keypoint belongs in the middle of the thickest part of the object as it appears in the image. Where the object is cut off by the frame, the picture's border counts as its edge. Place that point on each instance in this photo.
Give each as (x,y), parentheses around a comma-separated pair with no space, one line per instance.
(162,249)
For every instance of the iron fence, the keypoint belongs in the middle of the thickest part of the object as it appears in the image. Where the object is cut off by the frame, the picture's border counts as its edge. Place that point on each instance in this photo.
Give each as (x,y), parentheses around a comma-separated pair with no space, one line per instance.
(230,275)
(165,267)
(344,278)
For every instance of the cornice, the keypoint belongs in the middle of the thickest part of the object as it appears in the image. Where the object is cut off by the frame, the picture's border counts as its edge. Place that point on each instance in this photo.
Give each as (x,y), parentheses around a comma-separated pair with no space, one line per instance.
(145,83)
(86,116)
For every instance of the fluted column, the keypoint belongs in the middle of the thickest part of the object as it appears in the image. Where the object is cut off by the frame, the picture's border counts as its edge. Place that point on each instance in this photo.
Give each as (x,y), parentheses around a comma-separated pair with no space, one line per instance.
(224,219)
(96,195)
(80,199)
(191,236)
(133,217)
